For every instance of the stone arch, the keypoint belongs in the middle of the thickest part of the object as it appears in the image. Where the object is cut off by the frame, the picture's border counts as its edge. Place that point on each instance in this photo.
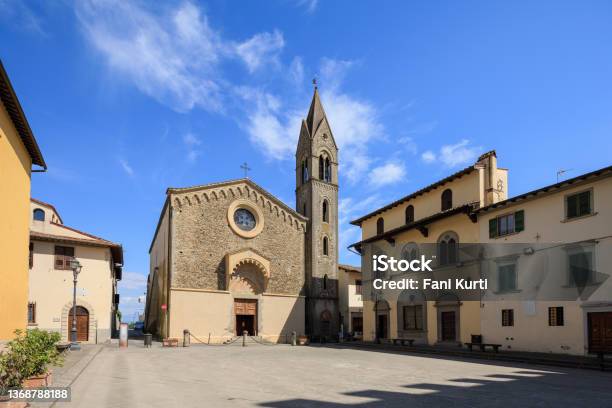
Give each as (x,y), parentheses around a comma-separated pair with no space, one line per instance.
(177,202)
(196,199)
(186,200)
(93,322)
(247,269)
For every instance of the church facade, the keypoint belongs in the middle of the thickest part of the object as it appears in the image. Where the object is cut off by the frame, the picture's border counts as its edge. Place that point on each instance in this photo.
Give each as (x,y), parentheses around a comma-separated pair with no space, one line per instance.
(230,257)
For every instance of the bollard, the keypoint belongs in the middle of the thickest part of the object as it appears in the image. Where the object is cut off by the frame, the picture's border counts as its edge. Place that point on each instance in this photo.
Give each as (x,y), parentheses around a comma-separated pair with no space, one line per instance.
(244,334)
(293,338)
(148,340)
(186,338)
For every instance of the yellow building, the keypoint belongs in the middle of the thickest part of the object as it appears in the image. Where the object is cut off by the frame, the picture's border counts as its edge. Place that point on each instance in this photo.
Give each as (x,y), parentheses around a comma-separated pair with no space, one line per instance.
(349,299)
(441,213)
(18,153)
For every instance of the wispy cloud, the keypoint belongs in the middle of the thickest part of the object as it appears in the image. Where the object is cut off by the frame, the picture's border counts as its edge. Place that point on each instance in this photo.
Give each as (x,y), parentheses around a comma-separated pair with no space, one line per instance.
(21,16)
(262,47)
(453,155)
(309,5)
(388,173)
(192,143)
(125,166)
(133,281)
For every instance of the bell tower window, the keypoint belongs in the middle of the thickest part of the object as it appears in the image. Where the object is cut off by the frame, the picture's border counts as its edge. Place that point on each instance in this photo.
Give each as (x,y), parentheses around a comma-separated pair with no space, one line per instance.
(325,211)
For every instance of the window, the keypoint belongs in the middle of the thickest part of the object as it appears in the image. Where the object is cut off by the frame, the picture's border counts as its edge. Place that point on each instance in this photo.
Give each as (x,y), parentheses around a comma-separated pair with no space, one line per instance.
(325,282)
(304,171)
(38,215)
(31,313)
(409,214)
(358,287)
(63,256)
(447,200)
(31,255)
(580,267)
(507,277)
(507,317)
(507,224)
(413,317)
(447,249)
(325,212)
(328,176)
(410,251)
(321,168)
(555,316)
(304,210)
(325,246)
(578,205)
(380,226)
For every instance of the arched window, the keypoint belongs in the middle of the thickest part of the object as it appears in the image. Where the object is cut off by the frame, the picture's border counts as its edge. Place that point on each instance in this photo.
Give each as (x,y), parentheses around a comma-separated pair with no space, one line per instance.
(410,251)
(304,171)
(325,211)
(39,215)
(409,214)
(380,226)
(325,246)
(447,200)
(304,210)
(328,176)
(447,249)
(325,282)
(321,166)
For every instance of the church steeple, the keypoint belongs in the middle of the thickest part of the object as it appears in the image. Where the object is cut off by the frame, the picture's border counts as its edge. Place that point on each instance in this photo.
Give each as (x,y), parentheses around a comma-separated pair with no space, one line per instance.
(315,113)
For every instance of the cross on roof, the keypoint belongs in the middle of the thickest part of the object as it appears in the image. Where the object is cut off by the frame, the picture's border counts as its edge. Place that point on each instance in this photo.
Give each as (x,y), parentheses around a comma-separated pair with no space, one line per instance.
(246,169)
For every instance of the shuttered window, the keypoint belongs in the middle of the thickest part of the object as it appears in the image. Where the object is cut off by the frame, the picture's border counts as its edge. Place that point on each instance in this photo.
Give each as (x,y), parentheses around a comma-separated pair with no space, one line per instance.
(31,255)
(507,277)
(507,317)
(507,224)
(578,205)
(32,313)
(413,317)
(63,256)
(555,316)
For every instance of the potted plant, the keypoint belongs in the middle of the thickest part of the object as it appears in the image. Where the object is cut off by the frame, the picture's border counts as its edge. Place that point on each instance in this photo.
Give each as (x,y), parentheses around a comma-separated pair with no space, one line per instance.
(302,340)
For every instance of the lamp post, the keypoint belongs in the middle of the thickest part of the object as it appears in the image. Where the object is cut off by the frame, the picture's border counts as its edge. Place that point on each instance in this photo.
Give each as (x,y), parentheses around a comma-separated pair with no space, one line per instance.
(76,269)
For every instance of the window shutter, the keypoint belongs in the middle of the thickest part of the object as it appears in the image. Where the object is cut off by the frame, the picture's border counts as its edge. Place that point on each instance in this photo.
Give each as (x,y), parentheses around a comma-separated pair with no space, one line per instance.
(584,201)
(519,221)
(492,227)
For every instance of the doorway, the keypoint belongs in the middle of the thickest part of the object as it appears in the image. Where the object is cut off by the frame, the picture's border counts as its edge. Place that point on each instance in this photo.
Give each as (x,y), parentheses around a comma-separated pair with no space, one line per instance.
(448,326)
(600,331)
(245,311)
(82,323)
(382,326)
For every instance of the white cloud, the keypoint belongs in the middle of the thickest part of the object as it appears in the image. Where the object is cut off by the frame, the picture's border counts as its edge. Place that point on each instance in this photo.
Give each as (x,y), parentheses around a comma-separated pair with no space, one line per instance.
(261,48)
(460,153)
(310,5)
(133,281)
(126,167)
(408,144)
(296,71)
(428,156)
(192,142)
(386,174)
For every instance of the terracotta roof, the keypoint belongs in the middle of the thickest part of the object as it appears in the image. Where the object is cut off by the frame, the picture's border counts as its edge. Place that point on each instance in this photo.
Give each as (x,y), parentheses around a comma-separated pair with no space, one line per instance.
(117,249)
(350,268)
(603,172)
(49,206)
(422,191)
(13,107)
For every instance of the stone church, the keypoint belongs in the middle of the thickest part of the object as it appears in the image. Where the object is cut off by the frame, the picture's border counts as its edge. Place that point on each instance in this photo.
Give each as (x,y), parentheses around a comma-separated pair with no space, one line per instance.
(229,257)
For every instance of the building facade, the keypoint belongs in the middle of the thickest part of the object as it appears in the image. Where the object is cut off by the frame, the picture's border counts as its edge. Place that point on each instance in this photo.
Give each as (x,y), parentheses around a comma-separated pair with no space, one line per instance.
(52,246)
(230,257)
(350,300)
(18,153)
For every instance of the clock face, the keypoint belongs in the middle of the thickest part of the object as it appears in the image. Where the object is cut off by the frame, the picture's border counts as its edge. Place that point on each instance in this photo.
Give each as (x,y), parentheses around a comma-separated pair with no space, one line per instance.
(244,219)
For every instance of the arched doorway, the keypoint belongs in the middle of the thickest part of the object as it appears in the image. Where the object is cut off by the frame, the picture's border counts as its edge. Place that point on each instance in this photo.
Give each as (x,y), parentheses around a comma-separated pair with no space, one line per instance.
(82,323)
(382,319)
(247,283)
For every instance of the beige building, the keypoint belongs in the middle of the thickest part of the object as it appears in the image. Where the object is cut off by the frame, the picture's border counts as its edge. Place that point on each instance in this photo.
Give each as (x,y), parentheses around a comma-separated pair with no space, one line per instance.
(350,300)
(52,246)
(230,257)
(18,153)
(441,213)
(555,295)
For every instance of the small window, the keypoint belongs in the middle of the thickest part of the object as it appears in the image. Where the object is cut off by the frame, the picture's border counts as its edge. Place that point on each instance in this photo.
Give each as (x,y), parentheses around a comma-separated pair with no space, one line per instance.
(358,287)
(304,210)
(507,224)
(448,251)
(447,200)
(507,277)
(32,313)
(325,246)
(328,176)
(31,255)
(555,316)
(325,211)
(507,317)
(413,317)
(409,214)
(304,171)
(380,226)
(321,168)
(325,282)
(39,215)
(578,205)
(63,256)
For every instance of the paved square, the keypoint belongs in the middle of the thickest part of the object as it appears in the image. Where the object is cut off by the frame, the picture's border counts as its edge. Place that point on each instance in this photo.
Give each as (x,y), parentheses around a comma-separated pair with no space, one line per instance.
(285,376)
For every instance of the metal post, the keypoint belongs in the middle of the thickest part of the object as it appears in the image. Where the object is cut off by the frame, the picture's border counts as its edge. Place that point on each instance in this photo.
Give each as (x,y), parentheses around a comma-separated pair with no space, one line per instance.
(73,333)
(244,334)
(186,338)
(293,338)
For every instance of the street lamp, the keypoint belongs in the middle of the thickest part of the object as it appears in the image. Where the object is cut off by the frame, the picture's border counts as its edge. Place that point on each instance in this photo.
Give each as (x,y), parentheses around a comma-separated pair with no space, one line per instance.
(76,269)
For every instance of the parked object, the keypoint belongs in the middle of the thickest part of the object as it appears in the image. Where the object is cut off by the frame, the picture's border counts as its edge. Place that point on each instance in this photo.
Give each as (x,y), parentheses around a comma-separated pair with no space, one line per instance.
(170,342)
(148,340)
(302,340)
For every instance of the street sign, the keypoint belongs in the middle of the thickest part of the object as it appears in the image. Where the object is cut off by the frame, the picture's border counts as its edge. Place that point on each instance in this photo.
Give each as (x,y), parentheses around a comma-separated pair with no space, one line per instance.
(164,306)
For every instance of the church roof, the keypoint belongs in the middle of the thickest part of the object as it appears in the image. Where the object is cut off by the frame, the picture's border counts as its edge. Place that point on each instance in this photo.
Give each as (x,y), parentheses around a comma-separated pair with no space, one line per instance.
(315,113)
(251,183)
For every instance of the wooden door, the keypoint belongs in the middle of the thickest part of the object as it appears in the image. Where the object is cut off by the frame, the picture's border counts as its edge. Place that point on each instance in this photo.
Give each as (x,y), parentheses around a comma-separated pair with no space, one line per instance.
(382,326)
(82,324)
(448,326)
(600,331)
(245,307)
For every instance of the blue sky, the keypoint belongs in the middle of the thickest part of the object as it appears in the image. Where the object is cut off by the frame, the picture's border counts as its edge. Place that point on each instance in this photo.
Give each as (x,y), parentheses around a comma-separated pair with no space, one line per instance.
(127,98)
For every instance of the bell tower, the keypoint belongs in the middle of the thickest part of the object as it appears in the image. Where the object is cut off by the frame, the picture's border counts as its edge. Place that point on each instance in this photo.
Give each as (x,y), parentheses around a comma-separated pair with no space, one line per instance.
(316,198)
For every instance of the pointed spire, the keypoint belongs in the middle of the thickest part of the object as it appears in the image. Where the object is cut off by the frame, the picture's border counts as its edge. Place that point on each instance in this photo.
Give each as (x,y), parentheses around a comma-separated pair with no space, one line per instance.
(315,113)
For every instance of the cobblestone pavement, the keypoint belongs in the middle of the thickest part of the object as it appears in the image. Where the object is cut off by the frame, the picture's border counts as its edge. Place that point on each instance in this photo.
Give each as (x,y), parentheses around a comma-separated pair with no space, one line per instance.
(284,376)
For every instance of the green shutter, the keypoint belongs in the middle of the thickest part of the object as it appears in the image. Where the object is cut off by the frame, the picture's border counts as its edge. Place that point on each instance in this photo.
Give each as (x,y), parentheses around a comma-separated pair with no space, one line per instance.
(519,221)
(492,227)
